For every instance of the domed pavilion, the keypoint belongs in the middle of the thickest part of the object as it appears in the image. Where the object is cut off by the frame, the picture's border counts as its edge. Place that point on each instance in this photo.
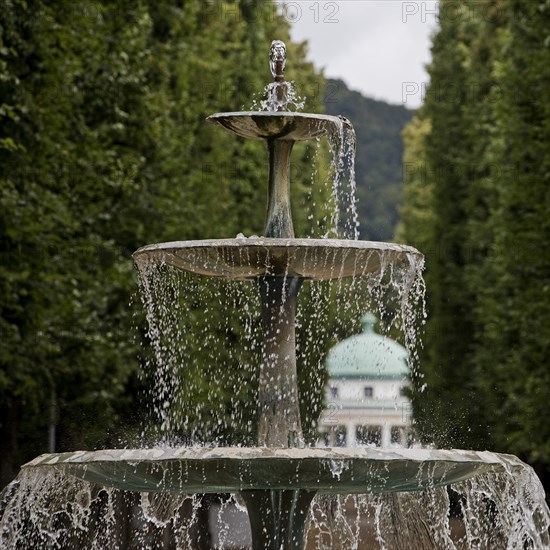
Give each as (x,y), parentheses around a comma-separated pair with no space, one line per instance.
(366,402)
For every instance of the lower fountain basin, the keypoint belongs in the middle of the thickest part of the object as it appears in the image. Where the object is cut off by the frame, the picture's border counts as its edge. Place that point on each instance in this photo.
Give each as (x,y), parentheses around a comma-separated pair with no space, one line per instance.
(315,259)
(231,469)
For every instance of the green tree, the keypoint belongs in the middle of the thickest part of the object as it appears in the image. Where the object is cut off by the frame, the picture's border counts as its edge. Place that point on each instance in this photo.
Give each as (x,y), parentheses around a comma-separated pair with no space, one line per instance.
(450,134)
(513,353)
(104,148)
(67,169)
(477,206)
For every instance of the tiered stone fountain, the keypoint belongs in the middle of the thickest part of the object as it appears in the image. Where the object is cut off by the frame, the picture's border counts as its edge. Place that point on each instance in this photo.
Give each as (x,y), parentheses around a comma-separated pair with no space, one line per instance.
(279,477)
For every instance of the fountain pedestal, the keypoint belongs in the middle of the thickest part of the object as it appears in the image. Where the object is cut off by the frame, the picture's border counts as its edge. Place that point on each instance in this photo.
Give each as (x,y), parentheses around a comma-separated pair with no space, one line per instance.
(279,478)
(278,518)
(279,423)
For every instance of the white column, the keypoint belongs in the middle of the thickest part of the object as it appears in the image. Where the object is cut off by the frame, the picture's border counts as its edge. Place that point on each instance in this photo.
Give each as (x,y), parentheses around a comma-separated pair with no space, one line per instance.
(386,435)
(350,435)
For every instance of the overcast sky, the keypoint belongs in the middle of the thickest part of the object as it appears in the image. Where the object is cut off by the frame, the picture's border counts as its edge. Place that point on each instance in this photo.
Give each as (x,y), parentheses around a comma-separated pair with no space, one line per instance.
(378,47)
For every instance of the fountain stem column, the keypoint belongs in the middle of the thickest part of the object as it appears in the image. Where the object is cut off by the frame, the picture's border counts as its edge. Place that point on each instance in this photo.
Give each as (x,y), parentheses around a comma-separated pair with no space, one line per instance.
(279,412)
(279,216)
(278,518)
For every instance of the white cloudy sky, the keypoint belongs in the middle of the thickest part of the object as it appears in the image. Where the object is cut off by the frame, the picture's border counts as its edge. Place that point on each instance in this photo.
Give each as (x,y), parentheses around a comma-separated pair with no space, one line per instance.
(378,47)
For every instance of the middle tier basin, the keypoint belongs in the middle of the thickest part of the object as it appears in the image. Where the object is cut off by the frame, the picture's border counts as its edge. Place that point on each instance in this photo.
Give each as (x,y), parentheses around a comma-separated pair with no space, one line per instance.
(314,259)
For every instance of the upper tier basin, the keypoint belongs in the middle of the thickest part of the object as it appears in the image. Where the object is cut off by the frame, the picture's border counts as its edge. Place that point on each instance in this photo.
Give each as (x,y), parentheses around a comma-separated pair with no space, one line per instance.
(284,125)
(315,259)
(229,469)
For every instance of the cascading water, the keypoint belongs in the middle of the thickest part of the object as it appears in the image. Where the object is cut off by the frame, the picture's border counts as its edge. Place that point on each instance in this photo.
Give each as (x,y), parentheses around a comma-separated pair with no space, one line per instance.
(296,496)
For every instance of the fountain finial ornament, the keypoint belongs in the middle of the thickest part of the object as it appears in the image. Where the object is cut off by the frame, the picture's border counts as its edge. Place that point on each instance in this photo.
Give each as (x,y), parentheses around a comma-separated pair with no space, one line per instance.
(277,60)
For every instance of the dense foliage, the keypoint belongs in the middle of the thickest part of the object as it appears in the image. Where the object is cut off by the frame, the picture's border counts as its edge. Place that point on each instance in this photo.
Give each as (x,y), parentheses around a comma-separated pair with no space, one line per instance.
(103,148)
(378,163)
(477,203)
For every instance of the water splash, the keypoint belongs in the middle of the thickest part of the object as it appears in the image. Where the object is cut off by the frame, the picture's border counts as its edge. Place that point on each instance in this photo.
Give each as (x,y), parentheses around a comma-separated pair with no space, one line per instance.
(337,467)
(280,96)
(504,509)
(485,512)
(193,326)
(207,341)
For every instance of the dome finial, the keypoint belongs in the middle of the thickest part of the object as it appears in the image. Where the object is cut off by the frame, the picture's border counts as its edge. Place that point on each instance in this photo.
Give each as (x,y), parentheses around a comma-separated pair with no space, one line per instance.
(369,321)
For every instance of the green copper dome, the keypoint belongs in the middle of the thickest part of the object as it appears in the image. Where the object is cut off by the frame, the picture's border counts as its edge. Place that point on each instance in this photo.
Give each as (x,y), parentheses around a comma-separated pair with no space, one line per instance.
(368,355)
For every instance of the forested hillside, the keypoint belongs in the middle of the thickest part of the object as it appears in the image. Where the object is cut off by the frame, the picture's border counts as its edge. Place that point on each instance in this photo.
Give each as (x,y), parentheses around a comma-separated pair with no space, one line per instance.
(378,163)
(477,203)
(104,148)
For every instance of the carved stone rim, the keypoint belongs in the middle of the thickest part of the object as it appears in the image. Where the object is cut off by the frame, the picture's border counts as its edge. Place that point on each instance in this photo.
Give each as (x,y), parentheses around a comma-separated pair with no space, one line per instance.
(286,125)
(310,259)
(227,469)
